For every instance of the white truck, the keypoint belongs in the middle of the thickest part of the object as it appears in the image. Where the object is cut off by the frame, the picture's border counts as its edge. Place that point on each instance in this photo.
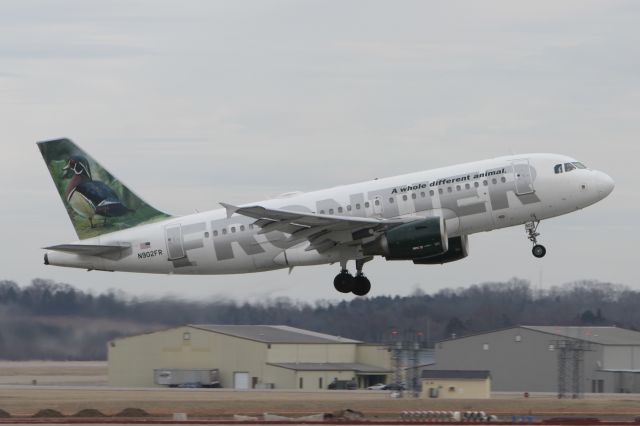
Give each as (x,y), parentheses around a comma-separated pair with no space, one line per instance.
(187,378)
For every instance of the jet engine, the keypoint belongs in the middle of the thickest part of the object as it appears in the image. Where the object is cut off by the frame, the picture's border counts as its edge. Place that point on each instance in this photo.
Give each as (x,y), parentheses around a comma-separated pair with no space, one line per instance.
(458,249)
(409,241)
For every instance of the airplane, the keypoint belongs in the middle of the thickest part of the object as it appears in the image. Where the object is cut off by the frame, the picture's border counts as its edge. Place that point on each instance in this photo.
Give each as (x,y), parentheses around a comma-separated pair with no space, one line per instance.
(424,217)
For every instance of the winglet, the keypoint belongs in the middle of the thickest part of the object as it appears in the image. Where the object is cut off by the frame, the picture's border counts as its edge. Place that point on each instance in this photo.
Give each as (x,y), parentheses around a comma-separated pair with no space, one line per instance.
(230,209)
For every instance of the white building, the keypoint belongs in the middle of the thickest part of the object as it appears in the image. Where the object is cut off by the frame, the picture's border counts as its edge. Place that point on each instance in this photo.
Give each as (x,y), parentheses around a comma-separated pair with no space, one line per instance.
(248,356)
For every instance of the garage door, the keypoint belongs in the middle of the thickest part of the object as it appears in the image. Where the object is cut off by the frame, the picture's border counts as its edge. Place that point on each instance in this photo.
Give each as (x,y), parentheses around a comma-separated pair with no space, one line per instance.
(240,380)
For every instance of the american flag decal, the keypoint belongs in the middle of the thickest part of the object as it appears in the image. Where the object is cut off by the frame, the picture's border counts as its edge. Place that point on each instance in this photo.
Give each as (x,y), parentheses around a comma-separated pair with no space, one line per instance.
(145,245)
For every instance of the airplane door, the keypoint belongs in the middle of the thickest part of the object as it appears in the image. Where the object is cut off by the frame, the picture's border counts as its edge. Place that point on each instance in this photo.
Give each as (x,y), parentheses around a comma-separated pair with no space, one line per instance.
(522,177)
(173,235)
(377,206)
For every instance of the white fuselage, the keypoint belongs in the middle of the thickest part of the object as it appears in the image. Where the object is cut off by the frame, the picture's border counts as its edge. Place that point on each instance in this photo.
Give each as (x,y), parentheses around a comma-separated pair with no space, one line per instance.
(472,197)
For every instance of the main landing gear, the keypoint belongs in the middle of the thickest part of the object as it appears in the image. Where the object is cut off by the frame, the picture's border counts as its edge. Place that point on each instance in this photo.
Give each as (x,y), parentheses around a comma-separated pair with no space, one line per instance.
(344,282)
(531,227)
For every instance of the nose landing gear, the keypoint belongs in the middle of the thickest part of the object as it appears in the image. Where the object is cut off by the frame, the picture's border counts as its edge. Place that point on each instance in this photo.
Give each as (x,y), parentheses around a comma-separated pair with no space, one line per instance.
(531,228)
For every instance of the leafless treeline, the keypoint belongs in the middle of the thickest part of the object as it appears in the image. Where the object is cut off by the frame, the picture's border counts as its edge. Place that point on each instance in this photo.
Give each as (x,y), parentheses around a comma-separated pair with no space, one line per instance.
(48,320)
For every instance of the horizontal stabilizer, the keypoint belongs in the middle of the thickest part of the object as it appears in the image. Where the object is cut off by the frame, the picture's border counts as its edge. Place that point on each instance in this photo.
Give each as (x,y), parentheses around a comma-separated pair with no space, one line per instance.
(89,249)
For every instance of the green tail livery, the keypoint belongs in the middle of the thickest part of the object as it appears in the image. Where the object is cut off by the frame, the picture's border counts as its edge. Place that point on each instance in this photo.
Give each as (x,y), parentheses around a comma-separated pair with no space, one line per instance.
(96,201)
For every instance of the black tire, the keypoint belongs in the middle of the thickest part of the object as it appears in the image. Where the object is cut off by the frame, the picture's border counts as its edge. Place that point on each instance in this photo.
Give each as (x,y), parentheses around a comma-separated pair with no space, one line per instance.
(539,251)
(343,282)
(361,285)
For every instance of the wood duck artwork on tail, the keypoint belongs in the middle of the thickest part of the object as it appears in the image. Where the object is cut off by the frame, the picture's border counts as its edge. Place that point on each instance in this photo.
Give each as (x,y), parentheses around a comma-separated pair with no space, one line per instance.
(89,197)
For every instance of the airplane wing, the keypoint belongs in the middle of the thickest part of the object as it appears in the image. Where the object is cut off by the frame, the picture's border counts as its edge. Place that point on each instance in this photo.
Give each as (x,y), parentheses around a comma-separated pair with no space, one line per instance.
(323,232)
(89,249)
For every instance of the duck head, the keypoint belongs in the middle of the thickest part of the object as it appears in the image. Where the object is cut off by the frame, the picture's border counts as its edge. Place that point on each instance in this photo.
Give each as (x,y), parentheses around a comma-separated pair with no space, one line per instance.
(77,165)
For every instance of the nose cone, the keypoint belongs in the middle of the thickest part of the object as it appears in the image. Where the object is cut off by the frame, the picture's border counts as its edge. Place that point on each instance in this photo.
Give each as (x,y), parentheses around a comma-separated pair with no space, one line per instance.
(604,184)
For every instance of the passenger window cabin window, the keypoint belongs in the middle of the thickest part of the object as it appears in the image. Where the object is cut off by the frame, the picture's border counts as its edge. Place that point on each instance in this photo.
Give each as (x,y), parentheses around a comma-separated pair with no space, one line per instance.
(404,198)
(339,209)
(391,200)
(485,182)
(569,167)
(494,181)
(224,231)
(422,194)
(357,206)
(449,189)
(233,229)
(440,191)
(376,202)
(366,205)
(330,211)
(215,233)
(413,196)
(241,227)
(557,168)
(349,207)
(431,192)
(476,184)
(458,187)
(321,211)
(467,186)
(503,179)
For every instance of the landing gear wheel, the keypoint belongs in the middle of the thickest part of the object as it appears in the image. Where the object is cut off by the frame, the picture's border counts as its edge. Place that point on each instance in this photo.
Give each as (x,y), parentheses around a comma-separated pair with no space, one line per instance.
(361,285)
(531,228)
(343,282)
(539,250)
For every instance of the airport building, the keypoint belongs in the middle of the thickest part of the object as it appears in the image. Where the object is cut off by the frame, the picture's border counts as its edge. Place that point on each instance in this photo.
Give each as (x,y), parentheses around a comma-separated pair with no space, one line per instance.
(245,357)
(527,358)
(456,384)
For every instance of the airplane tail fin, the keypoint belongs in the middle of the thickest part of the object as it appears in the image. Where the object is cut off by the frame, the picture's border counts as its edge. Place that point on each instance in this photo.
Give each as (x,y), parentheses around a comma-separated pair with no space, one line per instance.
(96,201)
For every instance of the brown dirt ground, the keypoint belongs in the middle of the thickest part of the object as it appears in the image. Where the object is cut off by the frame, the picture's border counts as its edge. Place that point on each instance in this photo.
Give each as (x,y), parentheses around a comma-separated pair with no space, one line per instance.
(220,403)
(53,373)
(82,385)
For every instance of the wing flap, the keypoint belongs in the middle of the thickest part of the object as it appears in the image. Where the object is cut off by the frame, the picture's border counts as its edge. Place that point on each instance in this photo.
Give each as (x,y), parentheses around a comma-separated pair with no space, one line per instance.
(306,219)
(321,246)
(324,232)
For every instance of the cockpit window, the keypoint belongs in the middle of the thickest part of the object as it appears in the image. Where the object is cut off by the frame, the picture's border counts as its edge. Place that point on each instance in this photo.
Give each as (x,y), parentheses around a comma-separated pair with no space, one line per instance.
(557,168)
(569,167)
(579,165)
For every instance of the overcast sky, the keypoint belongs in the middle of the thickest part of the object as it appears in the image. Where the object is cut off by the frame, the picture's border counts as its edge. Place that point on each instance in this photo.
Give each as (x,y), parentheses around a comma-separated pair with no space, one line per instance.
(192,103)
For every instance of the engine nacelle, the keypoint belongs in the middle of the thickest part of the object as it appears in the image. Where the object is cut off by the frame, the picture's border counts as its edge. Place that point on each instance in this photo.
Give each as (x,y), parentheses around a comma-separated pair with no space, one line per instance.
(413,240)
(458,249)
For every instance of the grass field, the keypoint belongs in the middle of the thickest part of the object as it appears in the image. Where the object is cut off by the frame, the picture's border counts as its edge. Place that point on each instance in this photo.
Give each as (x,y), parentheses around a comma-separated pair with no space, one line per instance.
(71,386)
(53,373)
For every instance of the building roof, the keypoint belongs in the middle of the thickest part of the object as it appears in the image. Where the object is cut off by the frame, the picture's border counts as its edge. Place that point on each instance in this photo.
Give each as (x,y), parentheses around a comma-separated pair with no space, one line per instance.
(455,374)
(331,366)
(424,364)
(273,333)
(599,335)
